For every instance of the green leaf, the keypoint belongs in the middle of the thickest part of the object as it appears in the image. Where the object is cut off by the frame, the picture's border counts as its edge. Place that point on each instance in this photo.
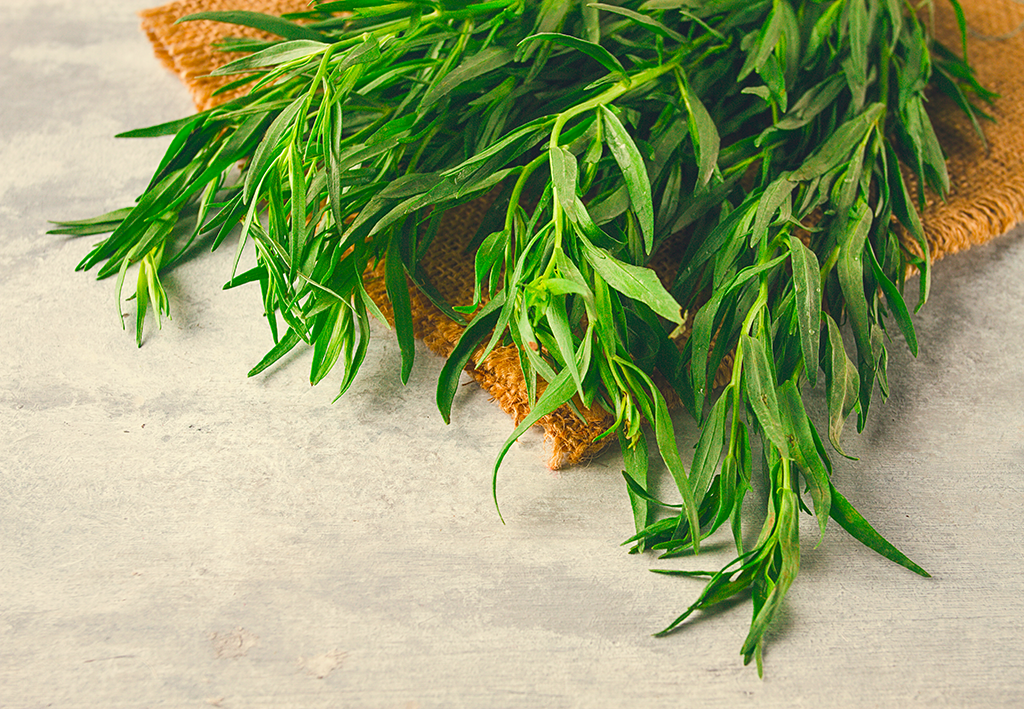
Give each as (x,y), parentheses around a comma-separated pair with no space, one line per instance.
(704,134)
(807,288)
(591,49)
(731,579)
(398,293)
(257,20)
(709,446)
(366,52)
(355,359)
(839,145)
(558,322)
(771,73)
(850,270)
(507,307)
(477,65)
(592,22)
(707,322)
(637,282)
(895,300)
(734,226)
(823,28)
(775,196)
(140,225)
(643,20)
(633,486)
(102,224)
(488,253)
(904,211)
(961,22)
(789,550)
(327,347)
(804,450)
(269,148)
(627,155)
(945,83)
(142,297)
(809,105)
(564,175)
(557,392)
(181,126)
(666,438)
(298,228)
(476,332)
(704,327)
(604,316)
(926,144)
(609,206)
(287,343)
(841,384)
(856,65)
(759,384)
(273,56)
(859,528)
(518,141)
(635,459)
(767,39)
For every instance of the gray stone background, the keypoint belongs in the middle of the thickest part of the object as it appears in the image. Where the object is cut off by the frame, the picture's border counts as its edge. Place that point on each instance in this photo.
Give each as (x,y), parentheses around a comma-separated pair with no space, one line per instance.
(175,534)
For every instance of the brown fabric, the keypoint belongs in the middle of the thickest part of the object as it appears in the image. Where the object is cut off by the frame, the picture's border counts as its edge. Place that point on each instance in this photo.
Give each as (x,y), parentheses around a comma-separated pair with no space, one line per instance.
(986,199)
(187,48)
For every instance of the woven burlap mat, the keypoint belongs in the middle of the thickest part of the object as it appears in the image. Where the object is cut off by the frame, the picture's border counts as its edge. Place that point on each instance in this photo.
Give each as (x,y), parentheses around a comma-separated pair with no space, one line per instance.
(986,199)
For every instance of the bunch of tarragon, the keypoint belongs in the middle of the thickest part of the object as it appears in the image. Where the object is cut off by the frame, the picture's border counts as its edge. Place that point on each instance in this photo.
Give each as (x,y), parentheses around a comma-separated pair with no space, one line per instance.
(765,141)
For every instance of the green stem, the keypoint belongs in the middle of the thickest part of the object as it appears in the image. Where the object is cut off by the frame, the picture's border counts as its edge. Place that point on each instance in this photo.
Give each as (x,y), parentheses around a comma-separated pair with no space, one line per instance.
(609,95)
(517,190)
(830,263)
(755,309)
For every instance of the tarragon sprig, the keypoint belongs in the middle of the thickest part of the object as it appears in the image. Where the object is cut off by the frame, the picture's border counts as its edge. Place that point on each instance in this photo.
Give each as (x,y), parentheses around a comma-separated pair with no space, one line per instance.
(761,144)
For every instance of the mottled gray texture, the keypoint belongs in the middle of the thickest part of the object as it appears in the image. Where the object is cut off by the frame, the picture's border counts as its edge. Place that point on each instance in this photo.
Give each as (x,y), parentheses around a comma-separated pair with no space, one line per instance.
(175,534)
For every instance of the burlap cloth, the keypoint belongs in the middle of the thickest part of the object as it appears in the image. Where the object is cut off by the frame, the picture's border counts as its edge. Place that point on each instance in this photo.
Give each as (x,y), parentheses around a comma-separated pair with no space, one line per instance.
(986,199)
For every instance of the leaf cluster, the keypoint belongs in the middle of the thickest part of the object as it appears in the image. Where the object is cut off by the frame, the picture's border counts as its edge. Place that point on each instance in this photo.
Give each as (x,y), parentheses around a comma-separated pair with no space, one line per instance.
(762,144)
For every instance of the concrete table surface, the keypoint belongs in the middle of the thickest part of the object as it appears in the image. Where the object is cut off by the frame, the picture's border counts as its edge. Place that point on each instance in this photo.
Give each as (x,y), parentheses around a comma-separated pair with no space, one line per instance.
(175,534)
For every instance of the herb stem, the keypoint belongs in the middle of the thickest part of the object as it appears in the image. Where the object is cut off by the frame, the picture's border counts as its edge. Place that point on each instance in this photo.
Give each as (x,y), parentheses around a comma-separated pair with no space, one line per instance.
(609,95)
(830,263)
(520,185)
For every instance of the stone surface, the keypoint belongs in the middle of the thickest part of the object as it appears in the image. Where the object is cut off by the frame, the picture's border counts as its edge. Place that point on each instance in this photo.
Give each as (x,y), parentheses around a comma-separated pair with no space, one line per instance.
(173,533)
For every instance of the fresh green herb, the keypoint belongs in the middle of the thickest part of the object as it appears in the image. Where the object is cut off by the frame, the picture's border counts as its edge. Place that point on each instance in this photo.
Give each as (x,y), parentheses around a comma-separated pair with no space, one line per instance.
(763,138)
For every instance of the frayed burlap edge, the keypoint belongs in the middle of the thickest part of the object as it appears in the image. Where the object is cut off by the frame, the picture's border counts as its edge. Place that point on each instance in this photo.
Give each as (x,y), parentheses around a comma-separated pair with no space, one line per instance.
(986,196)
(985,201)
(187,49)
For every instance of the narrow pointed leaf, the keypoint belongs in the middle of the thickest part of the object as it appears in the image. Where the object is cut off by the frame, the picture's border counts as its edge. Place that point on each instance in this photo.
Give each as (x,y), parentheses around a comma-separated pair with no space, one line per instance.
(591,49)
(260,21)
(853,522)
(759,385)
(485,61)
(476,332)
(704,134)
(274,55)
(636,282)
(398,293)
(631,162)
(807,288)
(557,392)
(804,450)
